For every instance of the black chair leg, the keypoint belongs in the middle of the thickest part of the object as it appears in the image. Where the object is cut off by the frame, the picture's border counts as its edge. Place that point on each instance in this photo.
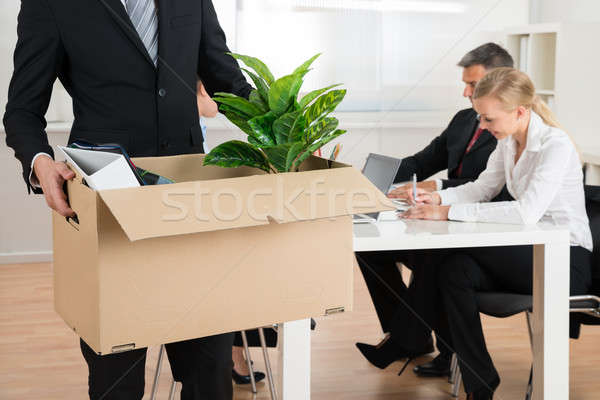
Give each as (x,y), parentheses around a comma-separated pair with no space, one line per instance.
(529,384)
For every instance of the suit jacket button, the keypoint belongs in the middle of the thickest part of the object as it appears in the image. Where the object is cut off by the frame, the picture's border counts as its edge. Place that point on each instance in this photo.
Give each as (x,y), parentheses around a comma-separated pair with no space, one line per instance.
(164,144)
(162,92)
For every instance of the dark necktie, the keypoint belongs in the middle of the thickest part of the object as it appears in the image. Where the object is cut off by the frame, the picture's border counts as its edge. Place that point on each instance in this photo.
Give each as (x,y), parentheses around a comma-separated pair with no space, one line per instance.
(469,147)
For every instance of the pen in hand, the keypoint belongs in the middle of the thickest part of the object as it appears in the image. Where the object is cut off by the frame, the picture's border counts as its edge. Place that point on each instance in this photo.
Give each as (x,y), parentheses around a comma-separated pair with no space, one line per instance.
(414,182)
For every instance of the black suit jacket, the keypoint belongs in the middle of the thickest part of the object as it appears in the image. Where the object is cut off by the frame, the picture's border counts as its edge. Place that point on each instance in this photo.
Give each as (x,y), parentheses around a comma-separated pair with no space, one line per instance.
(118,94)
(448,150)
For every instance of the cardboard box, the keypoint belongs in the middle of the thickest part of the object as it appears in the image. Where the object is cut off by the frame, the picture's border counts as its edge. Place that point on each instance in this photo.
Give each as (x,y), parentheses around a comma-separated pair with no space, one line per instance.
(219,251)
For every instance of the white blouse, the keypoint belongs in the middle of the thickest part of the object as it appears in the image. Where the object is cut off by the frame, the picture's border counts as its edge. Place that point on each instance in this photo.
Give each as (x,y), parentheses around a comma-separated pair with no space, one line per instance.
(547,183)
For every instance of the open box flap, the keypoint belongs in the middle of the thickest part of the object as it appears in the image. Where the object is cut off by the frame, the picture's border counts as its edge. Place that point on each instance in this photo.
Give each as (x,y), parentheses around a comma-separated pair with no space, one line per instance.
(204,206)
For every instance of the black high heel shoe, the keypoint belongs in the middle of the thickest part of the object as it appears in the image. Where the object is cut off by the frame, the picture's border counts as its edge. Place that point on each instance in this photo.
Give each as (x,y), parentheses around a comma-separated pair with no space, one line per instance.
(245,379)
(386,353)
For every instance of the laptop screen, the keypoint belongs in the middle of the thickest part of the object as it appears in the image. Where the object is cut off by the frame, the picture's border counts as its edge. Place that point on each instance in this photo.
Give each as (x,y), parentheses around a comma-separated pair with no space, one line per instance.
(381,171)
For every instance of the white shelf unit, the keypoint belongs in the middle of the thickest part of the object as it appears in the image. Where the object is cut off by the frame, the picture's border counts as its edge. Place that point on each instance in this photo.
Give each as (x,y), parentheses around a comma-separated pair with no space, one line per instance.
(534,49)
(562,64)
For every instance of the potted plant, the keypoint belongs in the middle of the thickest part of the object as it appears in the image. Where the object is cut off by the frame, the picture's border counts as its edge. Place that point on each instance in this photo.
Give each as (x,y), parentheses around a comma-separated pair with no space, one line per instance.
(282,130)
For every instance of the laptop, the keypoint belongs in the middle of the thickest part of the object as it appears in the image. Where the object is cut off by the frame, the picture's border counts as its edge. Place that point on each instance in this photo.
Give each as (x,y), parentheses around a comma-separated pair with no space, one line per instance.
(381,171)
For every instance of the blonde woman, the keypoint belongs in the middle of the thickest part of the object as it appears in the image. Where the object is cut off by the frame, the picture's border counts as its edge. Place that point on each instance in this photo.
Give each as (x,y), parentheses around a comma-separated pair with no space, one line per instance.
(540,166)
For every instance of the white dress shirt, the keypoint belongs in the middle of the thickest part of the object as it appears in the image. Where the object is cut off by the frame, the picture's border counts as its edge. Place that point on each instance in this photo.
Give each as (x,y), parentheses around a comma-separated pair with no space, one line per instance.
(547,183)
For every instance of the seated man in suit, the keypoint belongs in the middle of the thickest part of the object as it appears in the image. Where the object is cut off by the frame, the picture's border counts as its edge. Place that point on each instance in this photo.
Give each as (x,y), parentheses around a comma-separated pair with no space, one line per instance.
(463,149)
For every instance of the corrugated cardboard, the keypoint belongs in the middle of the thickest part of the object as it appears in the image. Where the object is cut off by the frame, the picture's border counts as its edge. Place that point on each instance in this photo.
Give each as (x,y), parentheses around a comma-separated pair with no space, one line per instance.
(159,264)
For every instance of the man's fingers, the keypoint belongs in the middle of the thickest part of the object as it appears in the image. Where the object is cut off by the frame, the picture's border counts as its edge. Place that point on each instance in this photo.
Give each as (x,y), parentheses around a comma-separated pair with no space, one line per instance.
(398,192)
(397,195)
(62,207)
(57,200)
(65,172)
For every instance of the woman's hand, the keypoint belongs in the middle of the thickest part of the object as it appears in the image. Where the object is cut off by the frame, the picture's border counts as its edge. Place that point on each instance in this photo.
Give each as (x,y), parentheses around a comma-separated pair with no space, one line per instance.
(423,197)
(206,106)
(427,211)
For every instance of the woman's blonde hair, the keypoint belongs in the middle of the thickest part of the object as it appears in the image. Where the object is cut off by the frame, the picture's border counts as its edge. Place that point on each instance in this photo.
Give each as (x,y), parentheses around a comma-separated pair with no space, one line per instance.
(514,88)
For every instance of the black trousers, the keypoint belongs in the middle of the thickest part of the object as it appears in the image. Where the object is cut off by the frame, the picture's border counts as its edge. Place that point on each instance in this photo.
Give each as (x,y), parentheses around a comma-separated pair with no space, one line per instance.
(203,366)
(510,269)
(408,313)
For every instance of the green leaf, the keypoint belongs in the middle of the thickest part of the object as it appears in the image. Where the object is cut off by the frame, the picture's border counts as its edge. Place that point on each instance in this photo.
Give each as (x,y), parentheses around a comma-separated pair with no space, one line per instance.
(257,100)
(261,85)
(316,146)
(282,130)
(324,105)
(295,106)
(308,98)
(320,129)
(241,123)
(223,108)
(293,153)
(297,131)
(283,126)
(236,153)
(261,69)
(225,94)
(304,67)
(253,141)
(262,128)
(239,103)
(283,92)
(277,155)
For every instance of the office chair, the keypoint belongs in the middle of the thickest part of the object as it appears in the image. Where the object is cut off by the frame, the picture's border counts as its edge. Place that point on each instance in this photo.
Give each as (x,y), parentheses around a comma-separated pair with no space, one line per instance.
(586,307)
(499,305)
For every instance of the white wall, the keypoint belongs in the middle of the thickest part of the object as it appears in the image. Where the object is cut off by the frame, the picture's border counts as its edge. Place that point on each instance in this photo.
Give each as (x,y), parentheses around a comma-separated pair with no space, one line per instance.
(390,60)
(566,11)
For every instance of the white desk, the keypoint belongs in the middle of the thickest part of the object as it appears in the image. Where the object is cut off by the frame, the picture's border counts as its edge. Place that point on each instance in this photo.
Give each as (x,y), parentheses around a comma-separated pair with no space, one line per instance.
(550,312)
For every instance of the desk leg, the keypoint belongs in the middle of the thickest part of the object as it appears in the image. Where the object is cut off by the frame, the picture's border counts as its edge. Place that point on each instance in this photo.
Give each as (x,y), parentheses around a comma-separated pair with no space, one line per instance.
(551,320)
(294,360)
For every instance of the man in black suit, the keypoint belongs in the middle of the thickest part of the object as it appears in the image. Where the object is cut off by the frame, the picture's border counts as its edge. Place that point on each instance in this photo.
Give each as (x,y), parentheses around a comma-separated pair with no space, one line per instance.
(131,68)
(463,150)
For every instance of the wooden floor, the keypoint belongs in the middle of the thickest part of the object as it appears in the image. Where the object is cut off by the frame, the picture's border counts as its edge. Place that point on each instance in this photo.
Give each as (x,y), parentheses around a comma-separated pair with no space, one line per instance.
(40,358)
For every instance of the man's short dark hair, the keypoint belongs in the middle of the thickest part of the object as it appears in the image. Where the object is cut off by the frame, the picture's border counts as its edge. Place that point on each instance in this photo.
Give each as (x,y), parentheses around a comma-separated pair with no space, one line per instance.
(490,55)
